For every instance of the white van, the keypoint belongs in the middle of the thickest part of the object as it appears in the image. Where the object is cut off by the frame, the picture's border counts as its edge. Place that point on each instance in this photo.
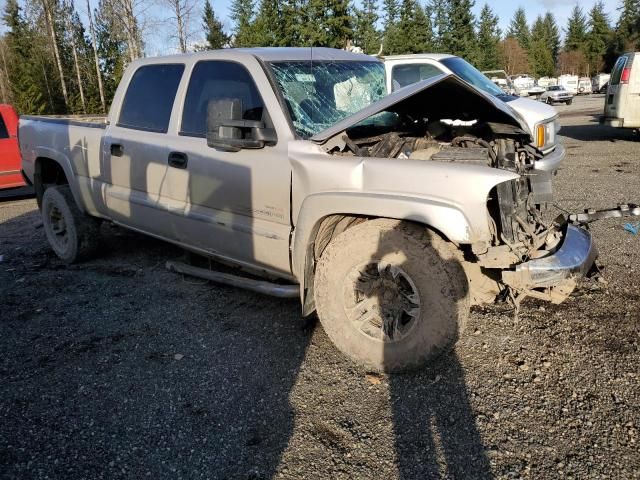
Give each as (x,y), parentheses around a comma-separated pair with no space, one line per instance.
(569,82)
(622,102)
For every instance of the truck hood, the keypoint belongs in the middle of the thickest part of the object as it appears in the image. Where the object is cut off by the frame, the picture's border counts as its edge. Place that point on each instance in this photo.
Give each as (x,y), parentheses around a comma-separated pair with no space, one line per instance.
(441,97)
(532,111)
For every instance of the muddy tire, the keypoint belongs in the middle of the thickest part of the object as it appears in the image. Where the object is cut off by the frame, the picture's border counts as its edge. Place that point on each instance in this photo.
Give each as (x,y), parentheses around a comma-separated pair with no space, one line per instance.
(391,295)
(73,236)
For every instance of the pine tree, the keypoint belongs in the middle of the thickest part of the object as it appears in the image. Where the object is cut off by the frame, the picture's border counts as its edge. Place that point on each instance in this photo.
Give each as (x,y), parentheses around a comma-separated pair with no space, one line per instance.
(291,22)
(540,55)
(598,36)
(366,36)
(626,35)
(552,35)
(437,11)
(411,33)
(488,40)
(576,32)
(459,36)
(112,47)
(327,23)
(25,78)
(519,29)
(242,15)
(391,12)
(214,33)
(268,26)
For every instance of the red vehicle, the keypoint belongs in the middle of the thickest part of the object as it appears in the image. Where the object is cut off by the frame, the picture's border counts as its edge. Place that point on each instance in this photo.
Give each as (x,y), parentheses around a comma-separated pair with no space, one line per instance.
(10,159)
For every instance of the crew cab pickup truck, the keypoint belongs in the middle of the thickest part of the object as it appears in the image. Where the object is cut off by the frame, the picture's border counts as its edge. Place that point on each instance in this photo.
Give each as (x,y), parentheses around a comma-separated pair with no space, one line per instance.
(10,161)
(389,215)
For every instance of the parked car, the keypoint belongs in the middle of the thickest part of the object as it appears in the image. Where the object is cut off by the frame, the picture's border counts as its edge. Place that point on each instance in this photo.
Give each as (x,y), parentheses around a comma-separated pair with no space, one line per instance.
(622,103)
(388,214)
(556,94)
(541,120)
(10,160)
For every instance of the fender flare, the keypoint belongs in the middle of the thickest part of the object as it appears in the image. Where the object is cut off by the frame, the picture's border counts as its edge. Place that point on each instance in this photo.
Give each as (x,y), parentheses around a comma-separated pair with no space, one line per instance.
(446,218)
(67,168)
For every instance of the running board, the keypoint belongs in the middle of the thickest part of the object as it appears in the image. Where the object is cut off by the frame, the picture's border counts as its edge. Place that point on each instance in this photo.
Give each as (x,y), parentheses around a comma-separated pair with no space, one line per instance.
(259,286)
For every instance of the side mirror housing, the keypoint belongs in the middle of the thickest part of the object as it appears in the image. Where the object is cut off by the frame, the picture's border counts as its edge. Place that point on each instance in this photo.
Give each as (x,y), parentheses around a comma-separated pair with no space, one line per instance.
(227,131)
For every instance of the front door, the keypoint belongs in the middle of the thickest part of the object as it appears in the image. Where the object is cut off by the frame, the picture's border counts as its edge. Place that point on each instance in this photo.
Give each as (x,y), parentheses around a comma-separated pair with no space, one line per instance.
(10,163)
(233,204)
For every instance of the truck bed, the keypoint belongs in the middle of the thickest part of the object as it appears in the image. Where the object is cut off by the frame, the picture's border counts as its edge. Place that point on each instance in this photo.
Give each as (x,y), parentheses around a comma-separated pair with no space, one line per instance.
(91,121)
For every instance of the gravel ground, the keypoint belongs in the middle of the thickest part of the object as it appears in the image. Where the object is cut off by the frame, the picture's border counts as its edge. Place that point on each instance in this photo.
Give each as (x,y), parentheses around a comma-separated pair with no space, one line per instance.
(116,368)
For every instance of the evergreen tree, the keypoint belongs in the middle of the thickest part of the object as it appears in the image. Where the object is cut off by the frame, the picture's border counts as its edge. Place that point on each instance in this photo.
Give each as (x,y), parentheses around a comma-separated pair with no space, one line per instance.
(458,38)
(437,11)
(412,32)
(391,12)
(242,15)
(488,40)
(25,78)
(519,29)
(327,23)
(541,60)
(598,36)
(112,47)
(625,37)
(576,33)
(268,26)
(366,36)
(291,22)
(214,33)
(552,35)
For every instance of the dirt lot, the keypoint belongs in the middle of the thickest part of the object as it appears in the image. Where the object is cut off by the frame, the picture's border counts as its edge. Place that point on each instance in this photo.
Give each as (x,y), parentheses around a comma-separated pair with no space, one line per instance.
(116,368)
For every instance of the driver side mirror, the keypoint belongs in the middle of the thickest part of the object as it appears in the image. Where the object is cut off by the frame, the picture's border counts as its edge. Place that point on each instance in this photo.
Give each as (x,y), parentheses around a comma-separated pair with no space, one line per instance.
(227,131)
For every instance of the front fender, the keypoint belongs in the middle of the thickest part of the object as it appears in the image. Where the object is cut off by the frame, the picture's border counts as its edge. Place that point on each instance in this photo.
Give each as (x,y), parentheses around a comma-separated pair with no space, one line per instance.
(445,217)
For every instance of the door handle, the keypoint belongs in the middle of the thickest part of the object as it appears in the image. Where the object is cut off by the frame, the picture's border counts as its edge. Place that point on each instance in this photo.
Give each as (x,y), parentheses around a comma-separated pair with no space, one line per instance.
(178,160)
(117,150)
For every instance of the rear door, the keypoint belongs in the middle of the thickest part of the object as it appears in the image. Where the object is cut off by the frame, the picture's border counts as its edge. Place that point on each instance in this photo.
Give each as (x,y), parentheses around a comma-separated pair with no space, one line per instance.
(617,89)
(10,163)
(136,150)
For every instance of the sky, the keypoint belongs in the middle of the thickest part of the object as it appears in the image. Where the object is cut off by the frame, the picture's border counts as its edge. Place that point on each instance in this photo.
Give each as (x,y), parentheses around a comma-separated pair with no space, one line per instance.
(158,40)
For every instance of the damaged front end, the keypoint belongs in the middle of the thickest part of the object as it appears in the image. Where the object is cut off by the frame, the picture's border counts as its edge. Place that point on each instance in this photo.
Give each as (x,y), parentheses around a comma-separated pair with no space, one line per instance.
(446,120)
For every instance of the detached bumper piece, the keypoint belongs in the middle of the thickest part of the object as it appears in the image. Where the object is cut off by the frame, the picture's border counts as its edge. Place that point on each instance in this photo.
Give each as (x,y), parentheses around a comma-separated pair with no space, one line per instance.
(554,277)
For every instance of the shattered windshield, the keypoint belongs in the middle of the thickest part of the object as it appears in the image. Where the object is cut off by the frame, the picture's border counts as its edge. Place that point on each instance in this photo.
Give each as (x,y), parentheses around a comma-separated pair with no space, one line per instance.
(321,93)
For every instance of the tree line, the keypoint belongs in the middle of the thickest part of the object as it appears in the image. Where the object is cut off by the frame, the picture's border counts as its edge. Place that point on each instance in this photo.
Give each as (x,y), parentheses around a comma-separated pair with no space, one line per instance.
(51,62)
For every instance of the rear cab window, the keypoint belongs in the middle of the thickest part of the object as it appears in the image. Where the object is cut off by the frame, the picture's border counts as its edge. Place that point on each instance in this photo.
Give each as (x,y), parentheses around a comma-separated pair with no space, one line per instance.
(218,80)
(403,75)
(148,102)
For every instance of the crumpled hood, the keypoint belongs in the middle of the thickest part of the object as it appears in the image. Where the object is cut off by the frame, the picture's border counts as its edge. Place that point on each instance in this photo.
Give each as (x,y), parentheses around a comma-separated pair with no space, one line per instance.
(440,97)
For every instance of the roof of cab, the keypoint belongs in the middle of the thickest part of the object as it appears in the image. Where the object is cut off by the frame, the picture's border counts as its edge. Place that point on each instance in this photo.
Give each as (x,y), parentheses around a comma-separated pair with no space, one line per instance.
(430,56)
(270,54)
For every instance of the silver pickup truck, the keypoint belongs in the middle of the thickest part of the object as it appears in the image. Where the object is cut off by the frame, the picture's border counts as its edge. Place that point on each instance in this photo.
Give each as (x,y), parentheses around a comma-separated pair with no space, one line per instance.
(389,215)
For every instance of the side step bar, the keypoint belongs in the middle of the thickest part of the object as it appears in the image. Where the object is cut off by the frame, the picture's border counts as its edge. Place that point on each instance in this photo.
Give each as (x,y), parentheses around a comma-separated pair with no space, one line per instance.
(259,286)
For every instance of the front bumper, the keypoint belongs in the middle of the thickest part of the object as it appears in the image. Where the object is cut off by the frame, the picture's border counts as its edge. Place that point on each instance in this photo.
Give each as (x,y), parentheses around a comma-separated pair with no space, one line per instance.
(572,260)
(551,161)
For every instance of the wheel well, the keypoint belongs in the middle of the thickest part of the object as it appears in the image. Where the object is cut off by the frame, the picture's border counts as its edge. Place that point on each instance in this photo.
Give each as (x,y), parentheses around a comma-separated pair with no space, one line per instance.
(327,229)
(47,172)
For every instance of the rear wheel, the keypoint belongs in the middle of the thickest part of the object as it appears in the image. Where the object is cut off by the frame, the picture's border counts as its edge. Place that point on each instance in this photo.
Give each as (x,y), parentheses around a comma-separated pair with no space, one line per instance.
(72,235)
(391,295)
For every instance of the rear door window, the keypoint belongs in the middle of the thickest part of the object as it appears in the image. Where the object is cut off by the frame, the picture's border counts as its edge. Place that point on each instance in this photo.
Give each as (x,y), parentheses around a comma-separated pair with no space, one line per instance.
(617,70)
(217,80)
(149,99)
(403,75)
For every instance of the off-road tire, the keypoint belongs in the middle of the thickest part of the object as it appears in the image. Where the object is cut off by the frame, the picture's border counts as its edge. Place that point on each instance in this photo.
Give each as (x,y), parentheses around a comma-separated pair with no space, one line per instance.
(431,264)
(74,236)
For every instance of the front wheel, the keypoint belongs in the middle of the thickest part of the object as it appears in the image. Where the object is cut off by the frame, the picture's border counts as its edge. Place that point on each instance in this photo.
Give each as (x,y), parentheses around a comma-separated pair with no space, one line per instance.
(569,102)
(72,235)
(549,102)
(391,295)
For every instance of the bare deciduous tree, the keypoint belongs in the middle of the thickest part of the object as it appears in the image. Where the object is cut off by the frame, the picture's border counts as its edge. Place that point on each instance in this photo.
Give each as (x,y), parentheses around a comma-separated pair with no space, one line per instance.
(183,12)
(54,43)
